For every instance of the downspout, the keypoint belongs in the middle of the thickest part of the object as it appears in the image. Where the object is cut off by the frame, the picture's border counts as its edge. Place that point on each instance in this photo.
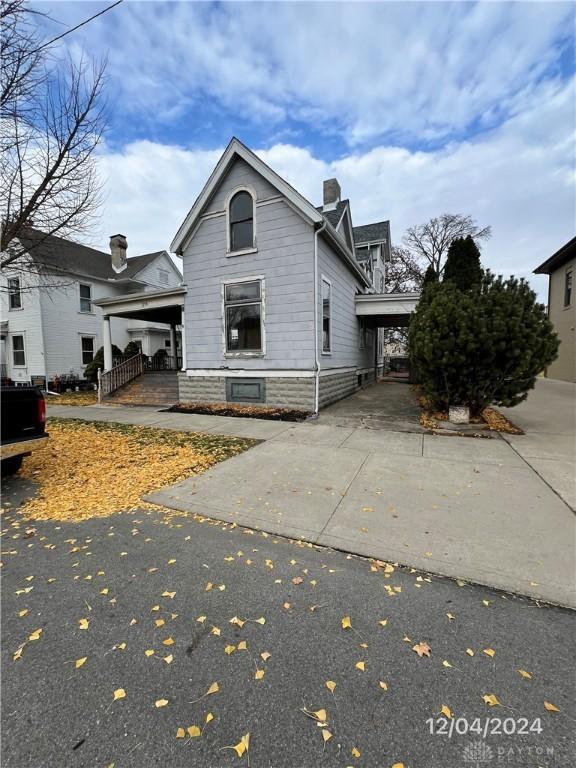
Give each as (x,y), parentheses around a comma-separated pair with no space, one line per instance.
(316,334)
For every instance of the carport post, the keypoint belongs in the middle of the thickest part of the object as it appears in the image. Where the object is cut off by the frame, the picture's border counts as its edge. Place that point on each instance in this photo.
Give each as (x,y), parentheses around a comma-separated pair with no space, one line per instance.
(107,340)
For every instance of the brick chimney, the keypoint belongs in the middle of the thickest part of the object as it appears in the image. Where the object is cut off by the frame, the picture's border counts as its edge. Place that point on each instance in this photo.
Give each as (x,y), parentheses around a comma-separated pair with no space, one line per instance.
(118,246)
(332,194)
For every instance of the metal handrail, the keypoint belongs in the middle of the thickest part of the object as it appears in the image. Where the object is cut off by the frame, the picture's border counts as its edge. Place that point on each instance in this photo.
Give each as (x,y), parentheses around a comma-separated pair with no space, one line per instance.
(110,381)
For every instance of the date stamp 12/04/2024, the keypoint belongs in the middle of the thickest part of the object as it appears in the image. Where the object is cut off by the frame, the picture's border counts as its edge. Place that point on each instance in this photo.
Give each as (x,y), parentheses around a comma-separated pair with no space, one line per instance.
(484,726)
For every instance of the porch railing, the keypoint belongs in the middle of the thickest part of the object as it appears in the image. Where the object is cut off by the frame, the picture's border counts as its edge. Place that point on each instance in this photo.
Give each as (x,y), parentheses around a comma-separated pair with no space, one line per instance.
(162,363)
(110,381)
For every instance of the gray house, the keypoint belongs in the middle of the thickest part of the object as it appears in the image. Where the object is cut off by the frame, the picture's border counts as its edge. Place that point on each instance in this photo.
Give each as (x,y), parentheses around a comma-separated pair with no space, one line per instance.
(283,300)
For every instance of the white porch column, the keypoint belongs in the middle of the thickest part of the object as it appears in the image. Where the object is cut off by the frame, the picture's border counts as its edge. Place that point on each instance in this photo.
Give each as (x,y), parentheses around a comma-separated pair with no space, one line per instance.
(183,339)
(173,347)
(107,341)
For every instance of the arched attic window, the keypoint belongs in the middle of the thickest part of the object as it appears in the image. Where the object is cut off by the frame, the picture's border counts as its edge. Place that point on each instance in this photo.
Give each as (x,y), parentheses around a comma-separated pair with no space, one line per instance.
(241,221)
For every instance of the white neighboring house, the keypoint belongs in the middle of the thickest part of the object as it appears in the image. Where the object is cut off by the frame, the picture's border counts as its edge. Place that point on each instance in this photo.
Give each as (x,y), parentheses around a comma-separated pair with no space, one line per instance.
(50,323)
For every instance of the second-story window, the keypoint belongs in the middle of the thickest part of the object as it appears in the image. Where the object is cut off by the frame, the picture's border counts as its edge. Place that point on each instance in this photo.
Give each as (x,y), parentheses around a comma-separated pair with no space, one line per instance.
(85,298)
(14,293)
(241,221)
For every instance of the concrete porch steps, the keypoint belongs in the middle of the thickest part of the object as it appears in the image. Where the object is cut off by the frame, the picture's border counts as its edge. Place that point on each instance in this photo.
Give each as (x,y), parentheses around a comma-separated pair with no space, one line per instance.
(157,388)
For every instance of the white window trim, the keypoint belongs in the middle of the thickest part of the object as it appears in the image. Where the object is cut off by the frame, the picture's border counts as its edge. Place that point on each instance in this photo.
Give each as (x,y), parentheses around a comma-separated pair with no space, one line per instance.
(15,365)
(328,352)
(21,307)
(81,298)
(254,249)
(252,279)
(87,336)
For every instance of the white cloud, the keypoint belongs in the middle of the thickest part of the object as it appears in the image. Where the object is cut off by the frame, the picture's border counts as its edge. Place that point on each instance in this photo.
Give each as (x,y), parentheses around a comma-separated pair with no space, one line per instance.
(393,70)
(518,178)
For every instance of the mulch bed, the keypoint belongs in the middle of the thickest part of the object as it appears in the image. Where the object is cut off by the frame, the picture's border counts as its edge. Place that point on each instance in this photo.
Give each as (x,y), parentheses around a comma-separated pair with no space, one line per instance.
(241,411)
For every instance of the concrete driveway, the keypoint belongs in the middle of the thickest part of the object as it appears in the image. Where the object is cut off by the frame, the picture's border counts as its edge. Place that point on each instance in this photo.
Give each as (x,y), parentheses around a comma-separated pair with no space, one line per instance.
(548,417)
(466,508)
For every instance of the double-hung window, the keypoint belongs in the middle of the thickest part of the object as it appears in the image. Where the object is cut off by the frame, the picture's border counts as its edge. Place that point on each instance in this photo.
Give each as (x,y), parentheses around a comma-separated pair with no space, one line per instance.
(18,351)
(14,293)
(85,298)
(243,317)
(87,349)
(326,316)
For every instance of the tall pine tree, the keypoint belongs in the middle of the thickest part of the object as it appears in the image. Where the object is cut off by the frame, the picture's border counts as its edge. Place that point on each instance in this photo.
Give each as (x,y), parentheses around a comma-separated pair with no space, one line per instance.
(462,267)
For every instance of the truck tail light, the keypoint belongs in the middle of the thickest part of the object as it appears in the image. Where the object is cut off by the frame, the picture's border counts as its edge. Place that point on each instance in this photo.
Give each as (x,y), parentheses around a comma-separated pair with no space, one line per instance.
(42,411)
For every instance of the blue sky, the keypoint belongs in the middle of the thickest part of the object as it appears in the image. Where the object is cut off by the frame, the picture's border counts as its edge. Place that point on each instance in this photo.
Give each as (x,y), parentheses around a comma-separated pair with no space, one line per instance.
(418,108)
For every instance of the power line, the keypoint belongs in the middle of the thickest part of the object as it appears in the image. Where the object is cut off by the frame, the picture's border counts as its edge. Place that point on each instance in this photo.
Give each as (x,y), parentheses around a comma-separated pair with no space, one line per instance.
(73,29)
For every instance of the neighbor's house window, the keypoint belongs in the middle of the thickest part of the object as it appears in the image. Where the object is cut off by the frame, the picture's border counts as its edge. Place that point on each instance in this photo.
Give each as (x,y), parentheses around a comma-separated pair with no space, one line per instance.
(326,316)
(241,221)
(14,293)
(85,298)
(568,288)
(87,349)
(18,351)
(243,316)
(163,276)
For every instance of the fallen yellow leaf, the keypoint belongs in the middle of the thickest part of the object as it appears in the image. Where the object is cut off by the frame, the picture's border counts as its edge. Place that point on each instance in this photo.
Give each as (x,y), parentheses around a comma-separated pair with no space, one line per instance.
(525,674)
(193,731)
(259,674)
(491,699)
(119,693)
(168,641)
(422,649)
(229,649)
(326,734)
(180,733)
(214,688)
(331,685)
(80,662)
(35,635)
(469,651)
(83,623)
(265,655)
(383,685)
(168,659)
(346,623)
(446,711)
(160,703)
(359,665)
(446,663)
(549,707)
(489,652)
(242,645)
(261,620)
(355,752)
(149,652)
(209,717)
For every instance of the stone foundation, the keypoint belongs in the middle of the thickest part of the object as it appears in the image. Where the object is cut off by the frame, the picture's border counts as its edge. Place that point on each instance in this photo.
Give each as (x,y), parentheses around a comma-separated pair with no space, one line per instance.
(280,392)
(340,384)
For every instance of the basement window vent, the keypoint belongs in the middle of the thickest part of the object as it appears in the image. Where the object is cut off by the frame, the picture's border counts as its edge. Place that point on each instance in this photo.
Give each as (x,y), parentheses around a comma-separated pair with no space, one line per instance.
(245,390)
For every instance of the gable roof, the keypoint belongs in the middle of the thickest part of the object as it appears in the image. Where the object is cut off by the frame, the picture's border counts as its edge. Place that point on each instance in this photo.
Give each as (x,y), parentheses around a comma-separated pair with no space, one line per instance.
(372,233)
(61,255)
(236,149)
(558,259)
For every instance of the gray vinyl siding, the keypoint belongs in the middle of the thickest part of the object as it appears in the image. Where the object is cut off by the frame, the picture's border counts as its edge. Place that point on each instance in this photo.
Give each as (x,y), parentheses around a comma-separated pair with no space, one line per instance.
(285,260)
(345,340)
(240,175)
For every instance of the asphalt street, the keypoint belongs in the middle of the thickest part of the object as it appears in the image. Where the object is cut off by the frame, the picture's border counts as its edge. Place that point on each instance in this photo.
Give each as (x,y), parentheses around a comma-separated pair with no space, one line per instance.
(145,581)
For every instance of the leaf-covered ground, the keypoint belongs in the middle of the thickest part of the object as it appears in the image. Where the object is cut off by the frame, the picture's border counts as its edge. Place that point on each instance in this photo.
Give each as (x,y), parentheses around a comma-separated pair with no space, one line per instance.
(152,639)
(94,468)
(73,398)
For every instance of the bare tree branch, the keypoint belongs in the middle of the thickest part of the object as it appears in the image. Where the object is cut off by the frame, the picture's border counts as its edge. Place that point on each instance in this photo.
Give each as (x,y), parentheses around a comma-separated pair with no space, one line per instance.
(52,121)
(429,242)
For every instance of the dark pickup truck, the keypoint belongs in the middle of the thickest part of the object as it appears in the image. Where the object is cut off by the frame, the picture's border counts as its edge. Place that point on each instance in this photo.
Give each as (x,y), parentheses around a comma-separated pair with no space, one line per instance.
(23,422)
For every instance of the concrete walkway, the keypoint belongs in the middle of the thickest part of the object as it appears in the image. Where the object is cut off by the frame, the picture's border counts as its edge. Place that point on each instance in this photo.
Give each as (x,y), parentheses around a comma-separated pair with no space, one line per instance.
(461,507)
